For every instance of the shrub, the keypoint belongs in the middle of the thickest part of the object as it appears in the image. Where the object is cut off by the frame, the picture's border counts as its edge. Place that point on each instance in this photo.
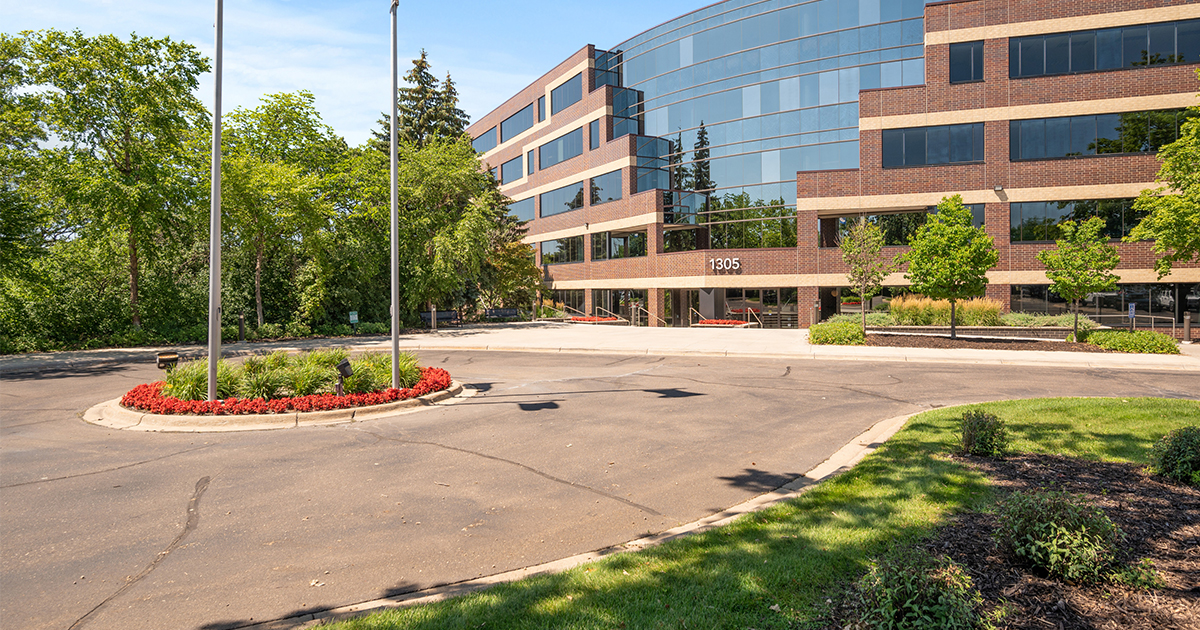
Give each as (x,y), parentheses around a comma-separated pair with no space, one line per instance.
(1141,341)
(982,434)
(228,334)
(979,312)
(305,379)
(837,333)
(326,357)
(189,380)
(343,330)
(369,328)
(296,329)
(873,319)
(912,588)
(1030,320)
(1058,533)
(265,384)
(270,331)
(1177,455)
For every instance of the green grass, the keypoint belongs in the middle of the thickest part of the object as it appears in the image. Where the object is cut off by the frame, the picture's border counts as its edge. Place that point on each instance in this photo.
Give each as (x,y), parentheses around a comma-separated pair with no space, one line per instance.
(799,553)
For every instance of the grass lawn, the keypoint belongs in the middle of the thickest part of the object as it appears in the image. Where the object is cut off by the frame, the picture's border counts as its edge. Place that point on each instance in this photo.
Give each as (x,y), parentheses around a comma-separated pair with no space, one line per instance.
(775,568)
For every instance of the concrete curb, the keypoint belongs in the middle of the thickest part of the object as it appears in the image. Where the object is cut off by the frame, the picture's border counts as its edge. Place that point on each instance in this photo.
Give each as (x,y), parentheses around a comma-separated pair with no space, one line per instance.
(844,459)
(112,415)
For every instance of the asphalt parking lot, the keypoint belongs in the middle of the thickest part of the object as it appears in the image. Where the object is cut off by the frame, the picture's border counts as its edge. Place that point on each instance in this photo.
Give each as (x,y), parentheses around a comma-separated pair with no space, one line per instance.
(555,454)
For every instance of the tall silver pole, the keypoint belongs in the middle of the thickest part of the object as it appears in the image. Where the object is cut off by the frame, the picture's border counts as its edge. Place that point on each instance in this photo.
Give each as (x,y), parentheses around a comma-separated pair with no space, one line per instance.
(395,211)
(214,230)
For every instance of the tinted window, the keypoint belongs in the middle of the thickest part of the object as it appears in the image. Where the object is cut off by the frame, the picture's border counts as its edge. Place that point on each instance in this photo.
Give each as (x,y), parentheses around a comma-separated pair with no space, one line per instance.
(1040,220)
(561,149)
(529,161)
(563,250)
(1058,54)
(510,171)
(566,94)
(485,142)
(1131,132)
(541,103)
(516,123)
(966,62)
(1187,38)
(933,145)
(522,210)
(1134,46)
(594,135)
(1108,49)
(562,200)
(1033,58)
(606,188)
(1085,51)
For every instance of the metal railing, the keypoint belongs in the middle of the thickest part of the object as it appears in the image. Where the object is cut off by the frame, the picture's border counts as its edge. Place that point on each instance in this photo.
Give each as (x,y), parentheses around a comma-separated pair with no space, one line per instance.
(1135,318)
(643,309)
(612,314)
(699,317)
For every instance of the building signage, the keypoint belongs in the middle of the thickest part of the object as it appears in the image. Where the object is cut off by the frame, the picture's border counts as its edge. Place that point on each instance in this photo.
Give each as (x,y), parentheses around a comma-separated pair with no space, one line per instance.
(725,264)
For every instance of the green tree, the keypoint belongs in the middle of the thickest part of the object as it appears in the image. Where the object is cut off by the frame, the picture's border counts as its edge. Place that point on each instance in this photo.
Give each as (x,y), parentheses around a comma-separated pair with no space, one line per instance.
(23,220)
(862,246)
(701,170)
(1081,263)
(122,110)
(1173,211)
(287,128)
(452,121)
(427,109)
(949,258)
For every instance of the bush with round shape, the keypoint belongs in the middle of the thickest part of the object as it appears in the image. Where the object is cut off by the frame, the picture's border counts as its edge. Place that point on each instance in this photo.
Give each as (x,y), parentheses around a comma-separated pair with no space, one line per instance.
(1177,455)
(1139,341)
(1059,534)
(837,333)
(982,433)
(914,589)
(296,329)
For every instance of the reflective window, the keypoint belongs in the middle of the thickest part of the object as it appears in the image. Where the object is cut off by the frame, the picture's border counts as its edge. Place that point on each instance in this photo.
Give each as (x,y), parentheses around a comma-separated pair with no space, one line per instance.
(561,200)
(613,245)
(486,141)
(1132,132)
(563,250)
(561,149)
(529,162)
(510,171)
(516,123)
(522,210)
(1106,49)
(1040,220)
(933,145)
(605,188)
(594,135)
(966,62)
(541,105)
(566,94)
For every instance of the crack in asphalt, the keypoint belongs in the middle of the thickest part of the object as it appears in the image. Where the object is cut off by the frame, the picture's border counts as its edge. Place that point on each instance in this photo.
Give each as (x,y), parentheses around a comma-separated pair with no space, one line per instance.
(193,519)
(106,470)
(545,475)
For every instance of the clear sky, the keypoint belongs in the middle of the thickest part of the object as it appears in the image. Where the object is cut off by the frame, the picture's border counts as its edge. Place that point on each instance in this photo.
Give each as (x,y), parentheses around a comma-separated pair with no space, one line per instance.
(339,50)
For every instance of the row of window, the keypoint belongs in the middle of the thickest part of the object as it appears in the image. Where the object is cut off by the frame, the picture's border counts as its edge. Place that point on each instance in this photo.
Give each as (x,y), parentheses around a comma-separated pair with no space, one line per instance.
(561,97)
(1037,138)
(947,144)
(1105,49)
(605,246)
(1132,132)
(604,188)
(1040,220)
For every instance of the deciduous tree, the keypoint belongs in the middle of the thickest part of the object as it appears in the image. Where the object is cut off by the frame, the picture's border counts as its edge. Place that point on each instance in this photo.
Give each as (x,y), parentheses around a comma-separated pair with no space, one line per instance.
(862,246)
(950,258)
(1081,263)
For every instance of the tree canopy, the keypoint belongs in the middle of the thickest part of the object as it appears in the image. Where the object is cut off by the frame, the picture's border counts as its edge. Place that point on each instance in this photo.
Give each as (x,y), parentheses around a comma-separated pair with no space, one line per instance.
(1081,263)
(862,246)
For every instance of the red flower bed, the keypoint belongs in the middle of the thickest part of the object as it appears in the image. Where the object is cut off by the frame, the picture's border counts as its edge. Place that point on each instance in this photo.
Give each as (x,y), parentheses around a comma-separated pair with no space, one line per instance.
(722,322)
(148,397)
(593,319)
(743,310)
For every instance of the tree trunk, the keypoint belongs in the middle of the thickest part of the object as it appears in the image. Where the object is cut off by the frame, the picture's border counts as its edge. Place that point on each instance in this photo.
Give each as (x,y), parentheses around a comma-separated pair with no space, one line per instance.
(862,306)
(953,334)
(258,258)
(1075,334)
(133,280)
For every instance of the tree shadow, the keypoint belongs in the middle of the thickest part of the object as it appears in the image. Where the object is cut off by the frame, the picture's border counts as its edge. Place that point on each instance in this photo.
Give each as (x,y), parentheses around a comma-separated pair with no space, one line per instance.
(538,406)
(760,481)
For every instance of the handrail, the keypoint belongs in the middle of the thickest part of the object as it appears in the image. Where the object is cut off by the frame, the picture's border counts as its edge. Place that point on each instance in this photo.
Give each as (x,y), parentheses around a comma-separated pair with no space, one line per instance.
(568,308)
(1135,318)
(619,318)
(699,317)
(649,315)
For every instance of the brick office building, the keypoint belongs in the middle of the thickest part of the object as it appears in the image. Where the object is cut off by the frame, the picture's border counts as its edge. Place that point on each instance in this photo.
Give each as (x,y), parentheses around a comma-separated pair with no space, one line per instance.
(704,167)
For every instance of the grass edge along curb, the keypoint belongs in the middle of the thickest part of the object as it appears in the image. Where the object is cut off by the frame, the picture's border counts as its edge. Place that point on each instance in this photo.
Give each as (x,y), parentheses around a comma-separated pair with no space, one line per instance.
(549,591)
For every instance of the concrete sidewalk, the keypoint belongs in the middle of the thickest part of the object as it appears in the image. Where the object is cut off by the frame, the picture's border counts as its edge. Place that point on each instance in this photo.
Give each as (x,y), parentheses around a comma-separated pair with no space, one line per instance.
(625,340)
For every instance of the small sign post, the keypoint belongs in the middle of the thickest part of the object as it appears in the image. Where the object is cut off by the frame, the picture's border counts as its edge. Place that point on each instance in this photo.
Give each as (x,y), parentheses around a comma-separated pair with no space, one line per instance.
(354,320)
(1132,314)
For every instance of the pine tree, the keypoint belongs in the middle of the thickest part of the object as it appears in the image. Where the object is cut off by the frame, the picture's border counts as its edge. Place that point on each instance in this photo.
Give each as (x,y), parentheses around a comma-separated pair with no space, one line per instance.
(428,109)
(702,179)
(452,121)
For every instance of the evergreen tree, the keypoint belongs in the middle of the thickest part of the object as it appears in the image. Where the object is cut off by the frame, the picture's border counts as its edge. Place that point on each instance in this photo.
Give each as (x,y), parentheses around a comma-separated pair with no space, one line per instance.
(701,174)
(428,109)
(452,121)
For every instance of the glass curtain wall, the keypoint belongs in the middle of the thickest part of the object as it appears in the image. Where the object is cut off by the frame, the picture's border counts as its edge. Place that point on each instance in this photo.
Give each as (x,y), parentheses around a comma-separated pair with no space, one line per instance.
(748,92)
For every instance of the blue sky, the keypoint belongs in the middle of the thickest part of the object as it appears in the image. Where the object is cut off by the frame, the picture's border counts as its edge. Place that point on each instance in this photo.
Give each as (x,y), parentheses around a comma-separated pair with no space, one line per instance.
(339,50)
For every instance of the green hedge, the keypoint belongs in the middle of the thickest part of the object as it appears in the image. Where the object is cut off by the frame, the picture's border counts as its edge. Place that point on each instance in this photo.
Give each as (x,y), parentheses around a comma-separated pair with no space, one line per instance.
(837,333)
(1141,341)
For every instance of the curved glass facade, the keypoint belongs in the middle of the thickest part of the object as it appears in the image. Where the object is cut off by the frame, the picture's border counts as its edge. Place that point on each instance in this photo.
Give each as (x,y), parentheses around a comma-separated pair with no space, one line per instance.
(748,92)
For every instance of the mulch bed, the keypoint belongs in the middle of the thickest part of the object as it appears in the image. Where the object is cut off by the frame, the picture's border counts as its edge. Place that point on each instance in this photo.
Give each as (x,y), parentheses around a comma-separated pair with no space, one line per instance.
(1161,521)
(934,341)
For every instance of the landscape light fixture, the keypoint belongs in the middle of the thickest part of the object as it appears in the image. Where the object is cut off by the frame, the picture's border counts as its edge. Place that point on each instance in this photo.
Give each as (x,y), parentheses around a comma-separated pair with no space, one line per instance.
(998,188)
(344,371)
(167,360)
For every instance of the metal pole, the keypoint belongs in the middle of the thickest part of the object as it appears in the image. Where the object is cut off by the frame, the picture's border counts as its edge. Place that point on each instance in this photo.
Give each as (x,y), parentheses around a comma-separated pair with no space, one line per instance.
(395,210)
(214,230)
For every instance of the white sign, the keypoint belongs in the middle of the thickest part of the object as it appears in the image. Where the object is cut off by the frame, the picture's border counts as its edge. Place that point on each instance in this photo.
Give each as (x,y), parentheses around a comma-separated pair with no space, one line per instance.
(725,264)
(353,317)
(1132,308)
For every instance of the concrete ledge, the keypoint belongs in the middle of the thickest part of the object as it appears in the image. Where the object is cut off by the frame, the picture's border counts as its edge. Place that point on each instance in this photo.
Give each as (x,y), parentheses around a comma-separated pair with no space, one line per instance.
(112,415)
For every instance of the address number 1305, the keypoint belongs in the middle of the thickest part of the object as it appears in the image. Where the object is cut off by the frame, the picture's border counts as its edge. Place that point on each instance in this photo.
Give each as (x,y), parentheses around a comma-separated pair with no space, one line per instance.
(725,264)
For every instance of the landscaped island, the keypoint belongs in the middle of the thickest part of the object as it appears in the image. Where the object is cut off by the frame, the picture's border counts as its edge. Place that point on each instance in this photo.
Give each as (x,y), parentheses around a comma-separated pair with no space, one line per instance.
(280,383)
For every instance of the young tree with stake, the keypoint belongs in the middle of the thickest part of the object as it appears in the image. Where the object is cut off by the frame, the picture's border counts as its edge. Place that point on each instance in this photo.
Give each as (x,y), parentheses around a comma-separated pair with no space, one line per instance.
(861,246)
(1081,263)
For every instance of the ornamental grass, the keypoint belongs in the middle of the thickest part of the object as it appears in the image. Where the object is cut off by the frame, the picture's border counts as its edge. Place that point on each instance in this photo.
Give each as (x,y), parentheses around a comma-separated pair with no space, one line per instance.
(918,310)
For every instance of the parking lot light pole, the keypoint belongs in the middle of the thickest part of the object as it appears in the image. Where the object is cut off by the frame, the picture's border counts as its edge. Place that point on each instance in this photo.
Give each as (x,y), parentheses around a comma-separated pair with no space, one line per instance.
(395,214)
(214,230)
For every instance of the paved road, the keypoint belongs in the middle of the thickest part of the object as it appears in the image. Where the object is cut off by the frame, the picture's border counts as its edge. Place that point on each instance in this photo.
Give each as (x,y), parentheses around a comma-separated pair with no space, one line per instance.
(558,454)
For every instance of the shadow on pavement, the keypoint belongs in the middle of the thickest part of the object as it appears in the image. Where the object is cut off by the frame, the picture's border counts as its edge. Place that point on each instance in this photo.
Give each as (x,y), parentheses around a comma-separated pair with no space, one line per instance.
(760,480)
